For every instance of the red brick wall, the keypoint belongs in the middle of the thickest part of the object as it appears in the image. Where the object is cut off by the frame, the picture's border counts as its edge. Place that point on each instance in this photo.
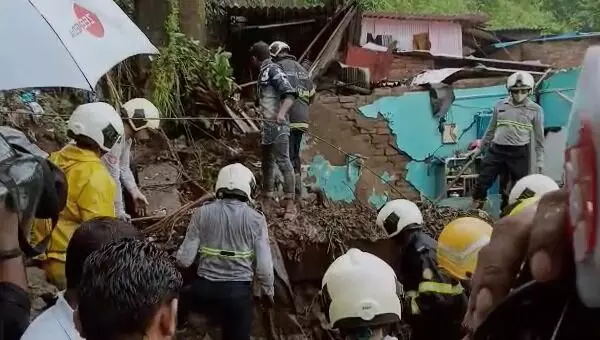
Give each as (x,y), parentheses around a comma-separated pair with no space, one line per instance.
(337,121)
(560,54)
(404,67)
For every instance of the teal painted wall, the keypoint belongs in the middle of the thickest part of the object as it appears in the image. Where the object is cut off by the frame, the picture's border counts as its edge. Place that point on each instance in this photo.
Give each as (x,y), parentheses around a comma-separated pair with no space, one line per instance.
(411,120)
(415,130)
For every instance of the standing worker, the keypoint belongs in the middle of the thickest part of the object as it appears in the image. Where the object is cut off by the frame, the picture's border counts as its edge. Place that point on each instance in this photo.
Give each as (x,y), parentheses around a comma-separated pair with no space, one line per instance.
(437,302)
(95,128)
(516,122)
(360,294)
(276,95)
(138,115)
(300,79)
(232,241)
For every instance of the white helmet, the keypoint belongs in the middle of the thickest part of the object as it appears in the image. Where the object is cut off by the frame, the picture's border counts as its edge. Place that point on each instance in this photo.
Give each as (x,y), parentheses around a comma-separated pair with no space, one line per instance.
(98,121)
(235,179)
(277,47)
(396,215)
(520,80)
(361,291)
(530,186)
(141,114)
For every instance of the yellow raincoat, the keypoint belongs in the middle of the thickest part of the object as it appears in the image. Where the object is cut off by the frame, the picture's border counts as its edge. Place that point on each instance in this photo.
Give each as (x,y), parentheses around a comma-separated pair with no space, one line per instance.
(91,194)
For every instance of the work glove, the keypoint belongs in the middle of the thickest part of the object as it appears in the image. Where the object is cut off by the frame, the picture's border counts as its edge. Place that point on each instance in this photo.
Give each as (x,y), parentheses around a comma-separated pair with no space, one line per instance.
(140,202)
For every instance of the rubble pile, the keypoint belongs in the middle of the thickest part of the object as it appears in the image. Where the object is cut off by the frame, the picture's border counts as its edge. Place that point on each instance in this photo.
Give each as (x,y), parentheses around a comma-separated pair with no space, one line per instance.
(335,224)
(436,217)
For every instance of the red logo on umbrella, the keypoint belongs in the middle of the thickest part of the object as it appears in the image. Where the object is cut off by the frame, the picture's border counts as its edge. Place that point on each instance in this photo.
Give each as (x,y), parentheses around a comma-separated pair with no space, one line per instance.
(86,21)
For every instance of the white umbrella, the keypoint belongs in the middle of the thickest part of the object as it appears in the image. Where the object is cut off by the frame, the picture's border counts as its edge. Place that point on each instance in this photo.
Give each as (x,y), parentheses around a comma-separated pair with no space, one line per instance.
(64,43)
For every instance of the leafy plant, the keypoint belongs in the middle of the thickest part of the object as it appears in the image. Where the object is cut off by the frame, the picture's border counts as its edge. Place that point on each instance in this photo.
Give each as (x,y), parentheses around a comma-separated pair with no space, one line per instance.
(183,65)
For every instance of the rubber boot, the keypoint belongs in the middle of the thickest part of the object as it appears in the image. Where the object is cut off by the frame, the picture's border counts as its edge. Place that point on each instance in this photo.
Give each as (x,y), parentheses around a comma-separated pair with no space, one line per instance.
(269,202)
(290,209)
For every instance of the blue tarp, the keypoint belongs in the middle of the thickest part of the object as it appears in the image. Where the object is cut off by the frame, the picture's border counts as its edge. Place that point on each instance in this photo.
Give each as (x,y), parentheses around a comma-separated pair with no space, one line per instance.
(555,37)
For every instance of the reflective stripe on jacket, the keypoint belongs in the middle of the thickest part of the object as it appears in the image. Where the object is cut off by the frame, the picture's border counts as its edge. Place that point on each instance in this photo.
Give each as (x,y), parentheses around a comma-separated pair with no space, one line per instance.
(517,125)
(430,290)
(231,241)
(301,81)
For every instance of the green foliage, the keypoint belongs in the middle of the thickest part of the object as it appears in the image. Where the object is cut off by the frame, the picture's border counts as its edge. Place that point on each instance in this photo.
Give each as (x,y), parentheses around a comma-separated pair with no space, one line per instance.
(521,14)
(180,66)
(579,14)
(548,15)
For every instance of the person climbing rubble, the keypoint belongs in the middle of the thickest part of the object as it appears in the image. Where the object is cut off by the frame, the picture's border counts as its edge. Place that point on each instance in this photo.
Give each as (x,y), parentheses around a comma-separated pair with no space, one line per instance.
(437,302)
(95,128)
(516,122)
(360,296)
(232,241)
(139,115)
(459,244)
(300,79)
(276,96)
(527,191)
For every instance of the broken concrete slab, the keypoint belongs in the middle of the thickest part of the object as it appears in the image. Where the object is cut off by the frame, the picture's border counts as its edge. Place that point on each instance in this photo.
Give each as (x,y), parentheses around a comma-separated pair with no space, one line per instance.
(159,182)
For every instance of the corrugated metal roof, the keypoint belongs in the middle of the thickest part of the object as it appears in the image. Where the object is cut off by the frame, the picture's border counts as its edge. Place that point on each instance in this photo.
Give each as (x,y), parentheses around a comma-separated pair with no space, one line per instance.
(473,61)
(558,37)
(472,18)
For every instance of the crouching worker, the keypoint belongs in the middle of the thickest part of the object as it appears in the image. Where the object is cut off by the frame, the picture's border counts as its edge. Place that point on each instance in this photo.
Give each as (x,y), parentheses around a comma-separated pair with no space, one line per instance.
(526,191)
(437,302)
(94,128)
(459,244)
(360,295)
(230,239)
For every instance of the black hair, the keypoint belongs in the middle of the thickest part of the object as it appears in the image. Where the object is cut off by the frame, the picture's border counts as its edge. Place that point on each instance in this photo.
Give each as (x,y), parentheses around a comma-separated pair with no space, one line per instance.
(89,237)
(123,285)
(260,50)
(83,142)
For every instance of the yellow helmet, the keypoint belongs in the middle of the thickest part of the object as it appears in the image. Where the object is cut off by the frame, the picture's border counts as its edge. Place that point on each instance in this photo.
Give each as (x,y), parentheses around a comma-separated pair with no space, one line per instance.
(459,243)
(523,204)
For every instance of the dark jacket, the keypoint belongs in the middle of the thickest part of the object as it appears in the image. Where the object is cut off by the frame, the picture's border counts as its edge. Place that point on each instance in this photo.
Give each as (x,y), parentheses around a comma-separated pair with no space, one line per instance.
(300,79)
(436,303)
(273,86)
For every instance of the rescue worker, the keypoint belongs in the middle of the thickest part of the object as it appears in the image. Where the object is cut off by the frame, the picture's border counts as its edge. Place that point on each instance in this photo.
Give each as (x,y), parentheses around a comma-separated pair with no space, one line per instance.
(276,95)
(516,122)
(437,302)
(232,242)
(139,115)
(458,246)
(95,128)
(300,79)
(360,294)
(527,191)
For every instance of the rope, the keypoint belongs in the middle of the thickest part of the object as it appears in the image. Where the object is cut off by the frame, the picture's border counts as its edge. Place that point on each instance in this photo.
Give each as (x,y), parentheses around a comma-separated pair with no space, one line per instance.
(320,139)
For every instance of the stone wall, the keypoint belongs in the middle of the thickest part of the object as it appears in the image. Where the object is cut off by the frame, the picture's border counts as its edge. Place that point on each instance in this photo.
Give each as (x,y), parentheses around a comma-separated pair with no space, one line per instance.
(560,54)
(338,128)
